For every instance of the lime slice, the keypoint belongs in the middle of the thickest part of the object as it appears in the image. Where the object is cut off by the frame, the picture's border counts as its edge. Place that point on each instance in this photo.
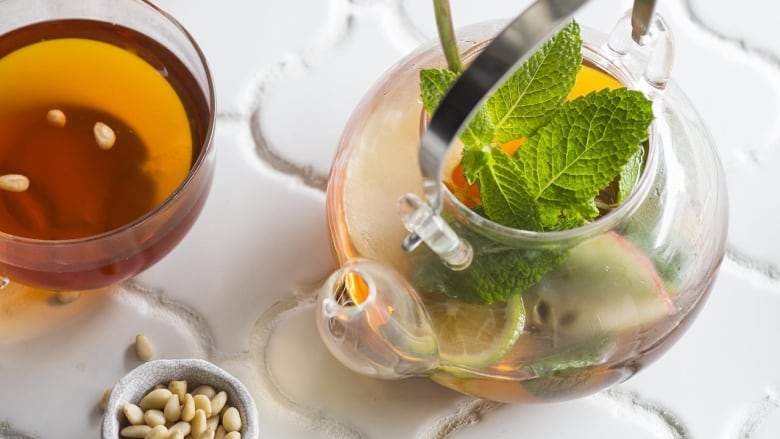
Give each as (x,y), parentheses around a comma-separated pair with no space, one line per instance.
(474,335)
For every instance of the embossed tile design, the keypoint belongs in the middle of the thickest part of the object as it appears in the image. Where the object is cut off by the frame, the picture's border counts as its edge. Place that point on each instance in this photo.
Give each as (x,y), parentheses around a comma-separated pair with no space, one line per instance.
(238,290)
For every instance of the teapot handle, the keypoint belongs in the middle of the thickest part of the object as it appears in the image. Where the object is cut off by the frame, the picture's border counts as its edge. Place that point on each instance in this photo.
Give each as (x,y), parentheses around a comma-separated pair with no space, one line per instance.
(511,47)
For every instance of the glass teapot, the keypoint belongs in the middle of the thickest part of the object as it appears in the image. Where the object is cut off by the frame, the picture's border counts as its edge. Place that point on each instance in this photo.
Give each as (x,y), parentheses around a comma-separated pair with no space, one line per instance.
(623,287)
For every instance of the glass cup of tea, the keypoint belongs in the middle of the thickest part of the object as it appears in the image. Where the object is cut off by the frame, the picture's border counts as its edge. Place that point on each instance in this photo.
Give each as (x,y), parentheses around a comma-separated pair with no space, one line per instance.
(107,112)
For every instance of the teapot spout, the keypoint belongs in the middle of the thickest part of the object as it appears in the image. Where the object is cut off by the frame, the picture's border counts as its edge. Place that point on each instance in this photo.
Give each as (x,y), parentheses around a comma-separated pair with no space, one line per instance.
(373,322)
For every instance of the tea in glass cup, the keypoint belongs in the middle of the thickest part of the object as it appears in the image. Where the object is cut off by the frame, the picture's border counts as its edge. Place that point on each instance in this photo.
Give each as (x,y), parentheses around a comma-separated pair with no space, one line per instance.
(107,114)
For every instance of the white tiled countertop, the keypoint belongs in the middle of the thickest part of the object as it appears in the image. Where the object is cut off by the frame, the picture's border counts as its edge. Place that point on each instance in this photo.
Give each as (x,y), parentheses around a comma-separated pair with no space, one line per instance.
(238,290)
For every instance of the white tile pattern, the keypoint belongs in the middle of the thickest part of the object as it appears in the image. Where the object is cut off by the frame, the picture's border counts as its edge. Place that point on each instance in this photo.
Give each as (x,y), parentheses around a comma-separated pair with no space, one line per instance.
(237,291)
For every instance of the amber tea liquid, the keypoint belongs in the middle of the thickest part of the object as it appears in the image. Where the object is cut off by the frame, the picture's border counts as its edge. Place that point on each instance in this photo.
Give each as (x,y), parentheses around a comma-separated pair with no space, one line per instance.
(92,73)
(96,72)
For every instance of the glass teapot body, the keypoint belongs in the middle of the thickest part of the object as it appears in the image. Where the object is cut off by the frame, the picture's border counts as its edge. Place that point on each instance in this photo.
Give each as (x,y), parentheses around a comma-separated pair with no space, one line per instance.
(624,287)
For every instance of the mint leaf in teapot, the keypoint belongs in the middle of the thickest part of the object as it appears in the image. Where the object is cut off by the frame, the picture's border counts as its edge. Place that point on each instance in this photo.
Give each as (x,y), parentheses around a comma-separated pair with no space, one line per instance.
(581,150)
(503,200)
(570,154)
(529,98)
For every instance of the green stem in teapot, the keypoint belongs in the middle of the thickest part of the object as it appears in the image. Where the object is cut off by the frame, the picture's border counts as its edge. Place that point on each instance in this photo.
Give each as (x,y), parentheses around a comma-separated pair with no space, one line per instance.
(447,35)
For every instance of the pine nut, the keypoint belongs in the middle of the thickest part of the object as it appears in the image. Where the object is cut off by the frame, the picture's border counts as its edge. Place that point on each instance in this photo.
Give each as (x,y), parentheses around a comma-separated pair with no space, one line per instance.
(104,135)
(198,423)
(56,118)
(202,402)
(153,418)
(188,410)
(172,410)
(163,414)
(231,420)
(66,297)
(156,399)
(204,390)
(158,432)
(144,349)
(212,423)
(14,183)
(133,414)
(218,402)
(104,399)
(179,388)
(182,427)
(135,431)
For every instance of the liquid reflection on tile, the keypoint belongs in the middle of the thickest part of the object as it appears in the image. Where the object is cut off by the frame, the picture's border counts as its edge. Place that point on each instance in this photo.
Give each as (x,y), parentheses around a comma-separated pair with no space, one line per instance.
(28,313)
(304,378)
(65,373)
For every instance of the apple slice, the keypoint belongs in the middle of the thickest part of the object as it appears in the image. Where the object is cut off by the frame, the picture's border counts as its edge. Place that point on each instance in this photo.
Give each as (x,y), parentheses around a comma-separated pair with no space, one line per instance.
(606,285)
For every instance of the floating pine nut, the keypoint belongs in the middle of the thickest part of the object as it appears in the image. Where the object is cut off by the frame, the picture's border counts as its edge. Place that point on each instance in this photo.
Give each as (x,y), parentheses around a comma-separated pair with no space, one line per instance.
(133,414)
(178,388)
(135,431)
(233,435)
(158,432)
(56,118)
(221,433)
(104,399)
(65,297)
(208,434)
(153,418)
(156,399)
(202,402)
(172,409)
(188,409)
(14,183)
(104,135)
(144,350)
(231,420)
(198,423)
(218,402)
(206,390)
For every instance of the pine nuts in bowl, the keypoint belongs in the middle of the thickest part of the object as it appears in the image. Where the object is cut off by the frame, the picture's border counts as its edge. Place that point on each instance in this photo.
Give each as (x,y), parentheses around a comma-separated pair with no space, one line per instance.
(172,399)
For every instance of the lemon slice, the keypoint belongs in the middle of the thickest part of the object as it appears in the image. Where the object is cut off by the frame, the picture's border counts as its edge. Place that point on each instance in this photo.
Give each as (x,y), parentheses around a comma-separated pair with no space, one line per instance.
(474,335)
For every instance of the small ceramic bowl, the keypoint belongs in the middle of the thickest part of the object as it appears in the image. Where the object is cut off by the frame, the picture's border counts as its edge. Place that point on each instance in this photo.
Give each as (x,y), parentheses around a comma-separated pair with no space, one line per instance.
(141,380)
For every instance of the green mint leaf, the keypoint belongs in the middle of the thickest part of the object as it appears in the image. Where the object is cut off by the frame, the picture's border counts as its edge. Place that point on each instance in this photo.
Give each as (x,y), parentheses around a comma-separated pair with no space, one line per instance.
(582,149)
(528,99)
(630,175)
(498,272)
(434,84)
(504,200)
(473,160)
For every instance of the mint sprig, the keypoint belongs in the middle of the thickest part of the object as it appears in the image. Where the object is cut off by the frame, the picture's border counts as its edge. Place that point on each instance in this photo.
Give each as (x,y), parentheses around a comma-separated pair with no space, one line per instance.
(530,97)
(581,150)
(572,151)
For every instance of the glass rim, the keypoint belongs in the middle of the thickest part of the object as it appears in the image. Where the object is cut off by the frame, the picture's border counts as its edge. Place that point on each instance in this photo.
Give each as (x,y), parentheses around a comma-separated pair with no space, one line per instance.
(204,151)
